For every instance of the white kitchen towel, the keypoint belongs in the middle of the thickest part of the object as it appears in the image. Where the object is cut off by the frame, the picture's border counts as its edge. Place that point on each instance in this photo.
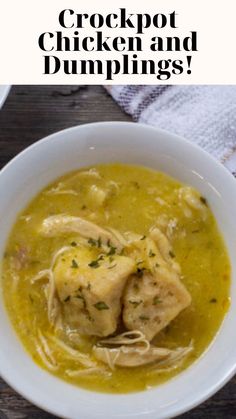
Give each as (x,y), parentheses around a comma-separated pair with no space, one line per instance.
(204,114)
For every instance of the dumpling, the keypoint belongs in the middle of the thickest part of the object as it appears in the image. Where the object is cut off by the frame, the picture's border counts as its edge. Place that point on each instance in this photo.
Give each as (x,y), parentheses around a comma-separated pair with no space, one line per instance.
(152,301)
(154,295)
(89,286)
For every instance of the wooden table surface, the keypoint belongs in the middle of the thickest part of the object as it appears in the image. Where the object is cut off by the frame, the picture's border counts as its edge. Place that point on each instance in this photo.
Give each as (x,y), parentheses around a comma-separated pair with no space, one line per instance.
(30,113)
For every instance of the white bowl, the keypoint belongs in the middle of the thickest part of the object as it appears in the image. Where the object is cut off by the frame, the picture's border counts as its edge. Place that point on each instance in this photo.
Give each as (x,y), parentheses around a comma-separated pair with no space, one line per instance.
(131,143)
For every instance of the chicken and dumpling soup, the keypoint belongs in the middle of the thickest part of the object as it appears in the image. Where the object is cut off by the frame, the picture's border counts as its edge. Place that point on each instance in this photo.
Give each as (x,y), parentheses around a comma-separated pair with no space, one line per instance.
(116,277)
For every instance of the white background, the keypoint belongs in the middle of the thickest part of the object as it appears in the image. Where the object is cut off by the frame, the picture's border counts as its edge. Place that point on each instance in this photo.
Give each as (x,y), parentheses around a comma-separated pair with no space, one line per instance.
(21,23)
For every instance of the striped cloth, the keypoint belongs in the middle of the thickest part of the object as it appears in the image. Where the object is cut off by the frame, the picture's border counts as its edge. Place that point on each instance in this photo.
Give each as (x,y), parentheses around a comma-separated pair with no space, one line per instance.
(203,114)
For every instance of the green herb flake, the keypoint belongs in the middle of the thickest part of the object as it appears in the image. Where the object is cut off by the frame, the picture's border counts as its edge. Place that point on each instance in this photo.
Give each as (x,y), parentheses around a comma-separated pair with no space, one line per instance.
(203,200)
(112,251)
(139,262)
(89,286)
(135,303)
(151,254)
(99,242)
(157,265)
(73,244)
(172,255)
(143,238)
(213,300)
(92,242)
(67,299)
(94,264)
(156,300)
(83,207)
(90,318)
(112,266)
(140,272)
(31,299)
(143,317)
(135,184)
(101,305)
(74,264)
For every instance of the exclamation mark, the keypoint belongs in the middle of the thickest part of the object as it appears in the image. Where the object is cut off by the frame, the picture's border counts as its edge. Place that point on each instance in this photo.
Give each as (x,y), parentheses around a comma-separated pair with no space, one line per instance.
(189,59)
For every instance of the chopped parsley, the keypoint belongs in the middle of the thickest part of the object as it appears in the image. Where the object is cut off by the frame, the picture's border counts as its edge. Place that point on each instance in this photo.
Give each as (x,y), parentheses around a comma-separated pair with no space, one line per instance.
(112,251)
(135,303)
(90,318)
(143,317)
(92,242)
(172,255)
(151,254)
(73,244)
(67,299)
(213,300)
(89,286)
(95,263)
(142,238)
(101,305)
(140,272)
(203,200)
(135,184)
(112,266)
(74,264)
(139,262)
(156,300)
(31,298)
(83,207)
(157,265)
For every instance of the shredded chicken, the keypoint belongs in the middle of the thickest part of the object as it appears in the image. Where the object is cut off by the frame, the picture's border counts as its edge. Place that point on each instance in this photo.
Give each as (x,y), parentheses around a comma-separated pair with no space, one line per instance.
(50,290)
(126,338)
(62,224)
(134,355)
(89,371)
(61,190)
(191,201)
(75,354)
(45,353)
(174,361)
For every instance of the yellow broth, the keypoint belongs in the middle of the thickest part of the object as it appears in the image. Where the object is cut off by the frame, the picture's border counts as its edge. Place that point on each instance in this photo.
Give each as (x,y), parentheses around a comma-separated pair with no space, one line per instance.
(137,198)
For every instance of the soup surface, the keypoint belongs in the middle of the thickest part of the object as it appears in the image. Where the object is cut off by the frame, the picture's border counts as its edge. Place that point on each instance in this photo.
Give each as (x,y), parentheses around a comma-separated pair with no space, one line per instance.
(82,297)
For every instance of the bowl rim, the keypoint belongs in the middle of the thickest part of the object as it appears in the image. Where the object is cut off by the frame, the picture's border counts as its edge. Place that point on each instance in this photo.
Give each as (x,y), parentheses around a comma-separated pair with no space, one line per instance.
(4,92)
(229,177)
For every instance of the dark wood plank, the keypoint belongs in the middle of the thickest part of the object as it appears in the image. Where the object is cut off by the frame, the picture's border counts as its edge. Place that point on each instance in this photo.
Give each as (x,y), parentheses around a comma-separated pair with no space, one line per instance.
(30,113)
